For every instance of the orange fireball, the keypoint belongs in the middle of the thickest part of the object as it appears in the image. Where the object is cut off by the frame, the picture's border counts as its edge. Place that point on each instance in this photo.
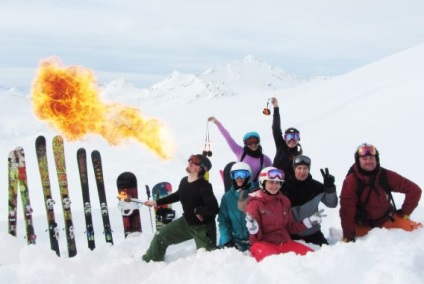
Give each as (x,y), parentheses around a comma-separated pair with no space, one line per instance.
(68,99)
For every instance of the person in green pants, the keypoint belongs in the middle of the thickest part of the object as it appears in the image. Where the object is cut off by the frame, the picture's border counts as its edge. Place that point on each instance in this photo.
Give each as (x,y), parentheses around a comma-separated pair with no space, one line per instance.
(200,209)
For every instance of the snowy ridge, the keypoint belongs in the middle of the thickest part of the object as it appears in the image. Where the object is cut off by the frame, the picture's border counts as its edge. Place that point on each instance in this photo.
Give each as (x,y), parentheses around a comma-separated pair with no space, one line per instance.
(233,79)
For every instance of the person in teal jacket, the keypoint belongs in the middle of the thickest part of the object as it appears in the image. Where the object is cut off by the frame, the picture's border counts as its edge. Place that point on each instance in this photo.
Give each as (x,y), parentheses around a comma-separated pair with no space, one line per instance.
(231,221)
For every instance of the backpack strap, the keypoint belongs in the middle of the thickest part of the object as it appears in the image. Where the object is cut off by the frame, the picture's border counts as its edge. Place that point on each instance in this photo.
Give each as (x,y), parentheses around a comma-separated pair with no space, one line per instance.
(361,213)
(385,184)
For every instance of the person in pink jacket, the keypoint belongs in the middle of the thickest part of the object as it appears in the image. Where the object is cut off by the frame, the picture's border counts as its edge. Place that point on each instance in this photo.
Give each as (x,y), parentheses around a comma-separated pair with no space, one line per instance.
(250,153)
(269,218)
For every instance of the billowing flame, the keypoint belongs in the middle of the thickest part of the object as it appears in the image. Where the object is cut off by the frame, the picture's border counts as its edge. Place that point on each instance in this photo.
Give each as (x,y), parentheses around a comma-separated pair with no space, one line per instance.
(68,98)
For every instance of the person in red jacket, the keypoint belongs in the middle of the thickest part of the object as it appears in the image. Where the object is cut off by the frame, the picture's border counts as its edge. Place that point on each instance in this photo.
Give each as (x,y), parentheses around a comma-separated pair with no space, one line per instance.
(366,200)
(269,219)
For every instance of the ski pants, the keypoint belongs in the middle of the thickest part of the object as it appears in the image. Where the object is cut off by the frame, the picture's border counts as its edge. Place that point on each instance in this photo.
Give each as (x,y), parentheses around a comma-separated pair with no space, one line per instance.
(179,231)
(260,250)
(397,223)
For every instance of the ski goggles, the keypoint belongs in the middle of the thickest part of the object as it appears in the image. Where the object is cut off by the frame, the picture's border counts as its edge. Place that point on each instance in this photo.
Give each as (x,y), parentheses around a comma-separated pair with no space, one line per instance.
(251,140)
(299,160)
(243,174)
(274,174)
(195,160)
(367,150)
(292,136)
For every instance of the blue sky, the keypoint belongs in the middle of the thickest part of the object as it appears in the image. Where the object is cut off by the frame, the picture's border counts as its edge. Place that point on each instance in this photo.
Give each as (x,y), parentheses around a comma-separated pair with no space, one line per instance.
(144,41)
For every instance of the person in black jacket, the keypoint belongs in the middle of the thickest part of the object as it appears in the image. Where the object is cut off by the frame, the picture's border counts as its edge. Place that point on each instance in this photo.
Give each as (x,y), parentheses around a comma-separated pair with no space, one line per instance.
(287,146)
(306,194)
(200,209)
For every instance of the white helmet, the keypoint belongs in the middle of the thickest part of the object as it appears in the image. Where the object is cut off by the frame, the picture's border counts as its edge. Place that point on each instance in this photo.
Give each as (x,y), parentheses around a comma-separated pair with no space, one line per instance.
(270,173)
(241,170)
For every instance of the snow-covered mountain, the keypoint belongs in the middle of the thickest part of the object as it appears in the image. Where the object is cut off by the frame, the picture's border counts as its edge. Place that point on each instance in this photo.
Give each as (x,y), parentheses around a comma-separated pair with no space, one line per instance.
(233,79)
(380,103)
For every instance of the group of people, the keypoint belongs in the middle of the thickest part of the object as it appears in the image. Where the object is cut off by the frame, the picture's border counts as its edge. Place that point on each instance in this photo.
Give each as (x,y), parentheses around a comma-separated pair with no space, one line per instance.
(272,207)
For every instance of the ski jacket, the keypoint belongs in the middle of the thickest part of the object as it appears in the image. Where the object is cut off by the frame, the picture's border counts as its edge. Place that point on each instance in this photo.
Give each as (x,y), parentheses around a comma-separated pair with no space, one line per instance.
(284,155)
(231,221)
(197,195)
(378,205)
(305,196)
(273,214)
(254,163)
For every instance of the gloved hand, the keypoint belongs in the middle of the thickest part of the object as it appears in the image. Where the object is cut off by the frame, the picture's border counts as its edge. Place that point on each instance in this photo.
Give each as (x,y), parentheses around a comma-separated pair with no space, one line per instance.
(316,218)
(401,214)
(328,179)
(251,224)
(349,240)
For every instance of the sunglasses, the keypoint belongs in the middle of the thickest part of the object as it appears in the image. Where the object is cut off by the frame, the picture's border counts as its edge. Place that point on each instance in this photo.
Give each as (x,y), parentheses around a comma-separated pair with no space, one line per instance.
(243,174)
(301,160)
(274,174)
(292,136)
(367,150)
(251,141)
(195,160)
(207,153)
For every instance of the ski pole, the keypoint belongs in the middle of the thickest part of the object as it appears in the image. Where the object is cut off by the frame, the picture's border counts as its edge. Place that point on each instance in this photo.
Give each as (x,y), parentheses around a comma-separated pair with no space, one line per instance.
(150,211)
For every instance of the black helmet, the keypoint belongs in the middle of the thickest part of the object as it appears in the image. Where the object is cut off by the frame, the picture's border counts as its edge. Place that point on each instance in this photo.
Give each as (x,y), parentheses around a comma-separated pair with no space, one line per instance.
(301,160)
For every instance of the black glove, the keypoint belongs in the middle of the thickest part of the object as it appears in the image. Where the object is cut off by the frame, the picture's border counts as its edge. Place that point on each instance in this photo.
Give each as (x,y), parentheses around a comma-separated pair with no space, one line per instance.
(328,179)
(401,214)
(230,244)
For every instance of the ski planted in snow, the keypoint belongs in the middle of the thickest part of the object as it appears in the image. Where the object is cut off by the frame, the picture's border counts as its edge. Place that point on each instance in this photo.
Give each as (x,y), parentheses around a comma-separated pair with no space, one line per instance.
(127,191)
(40,148)
(163,213)
(82,168)
(18,182)
(12,165)
(59,158)
(98,173)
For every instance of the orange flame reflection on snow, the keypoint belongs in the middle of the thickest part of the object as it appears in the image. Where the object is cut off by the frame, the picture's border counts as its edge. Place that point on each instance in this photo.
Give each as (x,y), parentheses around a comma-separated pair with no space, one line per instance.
(68,98)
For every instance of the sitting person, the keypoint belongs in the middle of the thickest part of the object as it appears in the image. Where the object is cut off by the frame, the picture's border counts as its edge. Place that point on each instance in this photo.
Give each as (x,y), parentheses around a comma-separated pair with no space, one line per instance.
(306,194)
(366,199)
(269,218)
(231,221)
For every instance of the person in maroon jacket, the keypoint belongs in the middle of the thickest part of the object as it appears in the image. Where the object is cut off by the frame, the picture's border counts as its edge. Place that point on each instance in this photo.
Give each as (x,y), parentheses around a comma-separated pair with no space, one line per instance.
(269,219)
(366,200)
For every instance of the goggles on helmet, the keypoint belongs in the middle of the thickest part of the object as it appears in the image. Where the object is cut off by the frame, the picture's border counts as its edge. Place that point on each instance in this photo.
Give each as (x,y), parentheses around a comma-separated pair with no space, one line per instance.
(367,150)
(195,160)
(274,174)
(301,160)
(292,136)
(243,174)
(251,140)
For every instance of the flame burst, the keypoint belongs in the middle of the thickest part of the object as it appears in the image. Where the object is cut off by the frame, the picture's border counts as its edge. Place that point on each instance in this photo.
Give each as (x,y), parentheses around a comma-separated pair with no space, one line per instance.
(68,98)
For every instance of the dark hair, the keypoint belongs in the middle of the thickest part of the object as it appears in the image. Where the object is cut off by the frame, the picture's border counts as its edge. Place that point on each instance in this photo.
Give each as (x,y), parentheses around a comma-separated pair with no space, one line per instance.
(202,172)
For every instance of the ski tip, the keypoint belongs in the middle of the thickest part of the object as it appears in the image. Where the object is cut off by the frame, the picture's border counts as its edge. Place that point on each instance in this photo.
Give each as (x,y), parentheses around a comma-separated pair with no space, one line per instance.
(40,138)
(58,138)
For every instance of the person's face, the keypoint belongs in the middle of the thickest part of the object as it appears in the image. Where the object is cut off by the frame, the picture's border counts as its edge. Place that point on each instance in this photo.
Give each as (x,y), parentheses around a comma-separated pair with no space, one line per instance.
(301,172)
(368,163)
(253,146)
(192,168)
(239,182)
(272,186)
(252,143)
(292,139)
(292,143)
